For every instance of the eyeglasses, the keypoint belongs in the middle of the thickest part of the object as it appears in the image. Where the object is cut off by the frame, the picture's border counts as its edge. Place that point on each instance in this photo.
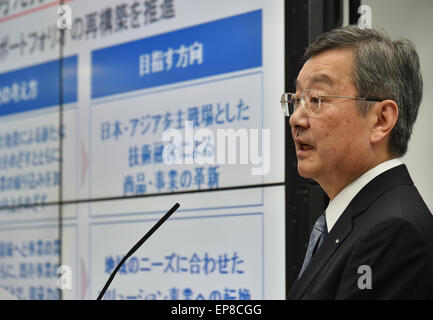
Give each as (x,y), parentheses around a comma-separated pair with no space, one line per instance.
(310,100)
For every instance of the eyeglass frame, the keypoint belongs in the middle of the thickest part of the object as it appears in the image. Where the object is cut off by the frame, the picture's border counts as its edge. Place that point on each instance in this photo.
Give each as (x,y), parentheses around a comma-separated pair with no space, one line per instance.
(285,103)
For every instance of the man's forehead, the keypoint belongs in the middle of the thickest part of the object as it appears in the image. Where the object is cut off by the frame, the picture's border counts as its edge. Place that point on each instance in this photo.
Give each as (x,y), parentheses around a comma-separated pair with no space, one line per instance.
(315,79)
(326,69)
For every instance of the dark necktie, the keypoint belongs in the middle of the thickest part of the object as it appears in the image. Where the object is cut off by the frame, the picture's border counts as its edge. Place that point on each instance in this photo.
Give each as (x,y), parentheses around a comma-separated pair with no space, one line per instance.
(316,238)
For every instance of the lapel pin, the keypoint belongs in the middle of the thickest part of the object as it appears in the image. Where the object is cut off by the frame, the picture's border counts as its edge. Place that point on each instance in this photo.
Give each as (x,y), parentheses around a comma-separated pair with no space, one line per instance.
(337,241)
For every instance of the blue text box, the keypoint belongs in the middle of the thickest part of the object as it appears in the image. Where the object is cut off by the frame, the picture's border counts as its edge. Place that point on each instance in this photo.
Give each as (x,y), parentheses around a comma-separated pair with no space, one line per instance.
(217,47)
(38,86)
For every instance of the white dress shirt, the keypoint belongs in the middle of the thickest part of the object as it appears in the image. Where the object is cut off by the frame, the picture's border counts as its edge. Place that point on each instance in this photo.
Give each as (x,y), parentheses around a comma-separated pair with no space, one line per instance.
(341,201)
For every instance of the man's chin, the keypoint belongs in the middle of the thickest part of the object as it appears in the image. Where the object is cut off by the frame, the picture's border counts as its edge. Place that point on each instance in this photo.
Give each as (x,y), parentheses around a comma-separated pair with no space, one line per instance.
(305,172)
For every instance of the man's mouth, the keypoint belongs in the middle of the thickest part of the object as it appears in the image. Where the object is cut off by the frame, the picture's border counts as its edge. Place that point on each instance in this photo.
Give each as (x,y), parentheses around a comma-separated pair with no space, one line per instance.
(305,147)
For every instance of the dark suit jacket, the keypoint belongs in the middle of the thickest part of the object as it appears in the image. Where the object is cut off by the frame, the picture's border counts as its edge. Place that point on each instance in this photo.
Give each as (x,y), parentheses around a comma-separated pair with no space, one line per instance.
(388,228)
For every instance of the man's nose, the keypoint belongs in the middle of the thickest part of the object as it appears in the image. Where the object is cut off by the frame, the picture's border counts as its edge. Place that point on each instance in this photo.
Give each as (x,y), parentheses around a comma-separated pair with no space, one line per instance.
(299,118)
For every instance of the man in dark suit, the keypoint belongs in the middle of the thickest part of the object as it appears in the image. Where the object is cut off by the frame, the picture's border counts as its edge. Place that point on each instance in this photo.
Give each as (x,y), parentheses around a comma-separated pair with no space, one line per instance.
(357,98)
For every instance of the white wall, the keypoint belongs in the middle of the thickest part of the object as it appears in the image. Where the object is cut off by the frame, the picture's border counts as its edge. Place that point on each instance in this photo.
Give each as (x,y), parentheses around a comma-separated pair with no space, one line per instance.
(413,20)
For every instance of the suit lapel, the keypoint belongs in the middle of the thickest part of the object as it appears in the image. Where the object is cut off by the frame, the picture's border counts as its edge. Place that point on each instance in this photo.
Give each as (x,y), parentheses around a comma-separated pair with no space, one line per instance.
(342,228)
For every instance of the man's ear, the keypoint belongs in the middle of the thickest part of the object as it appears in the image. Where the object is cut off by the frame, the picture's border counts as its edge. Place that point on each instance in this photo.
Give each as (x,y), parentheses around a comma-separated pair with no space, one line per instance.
(384,116)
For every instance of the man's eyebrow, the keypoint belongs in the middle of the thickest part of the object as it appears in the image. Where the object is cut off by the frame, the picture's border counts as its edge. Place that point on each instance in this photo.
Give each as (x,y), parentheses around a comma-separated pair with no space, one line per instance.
(322,78)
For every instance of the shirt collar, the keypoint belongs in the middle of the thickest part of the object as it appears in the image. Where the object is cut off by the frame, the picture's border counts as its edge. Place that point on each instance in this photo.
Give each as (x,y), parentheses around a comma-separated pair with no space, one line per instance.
(341,201)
